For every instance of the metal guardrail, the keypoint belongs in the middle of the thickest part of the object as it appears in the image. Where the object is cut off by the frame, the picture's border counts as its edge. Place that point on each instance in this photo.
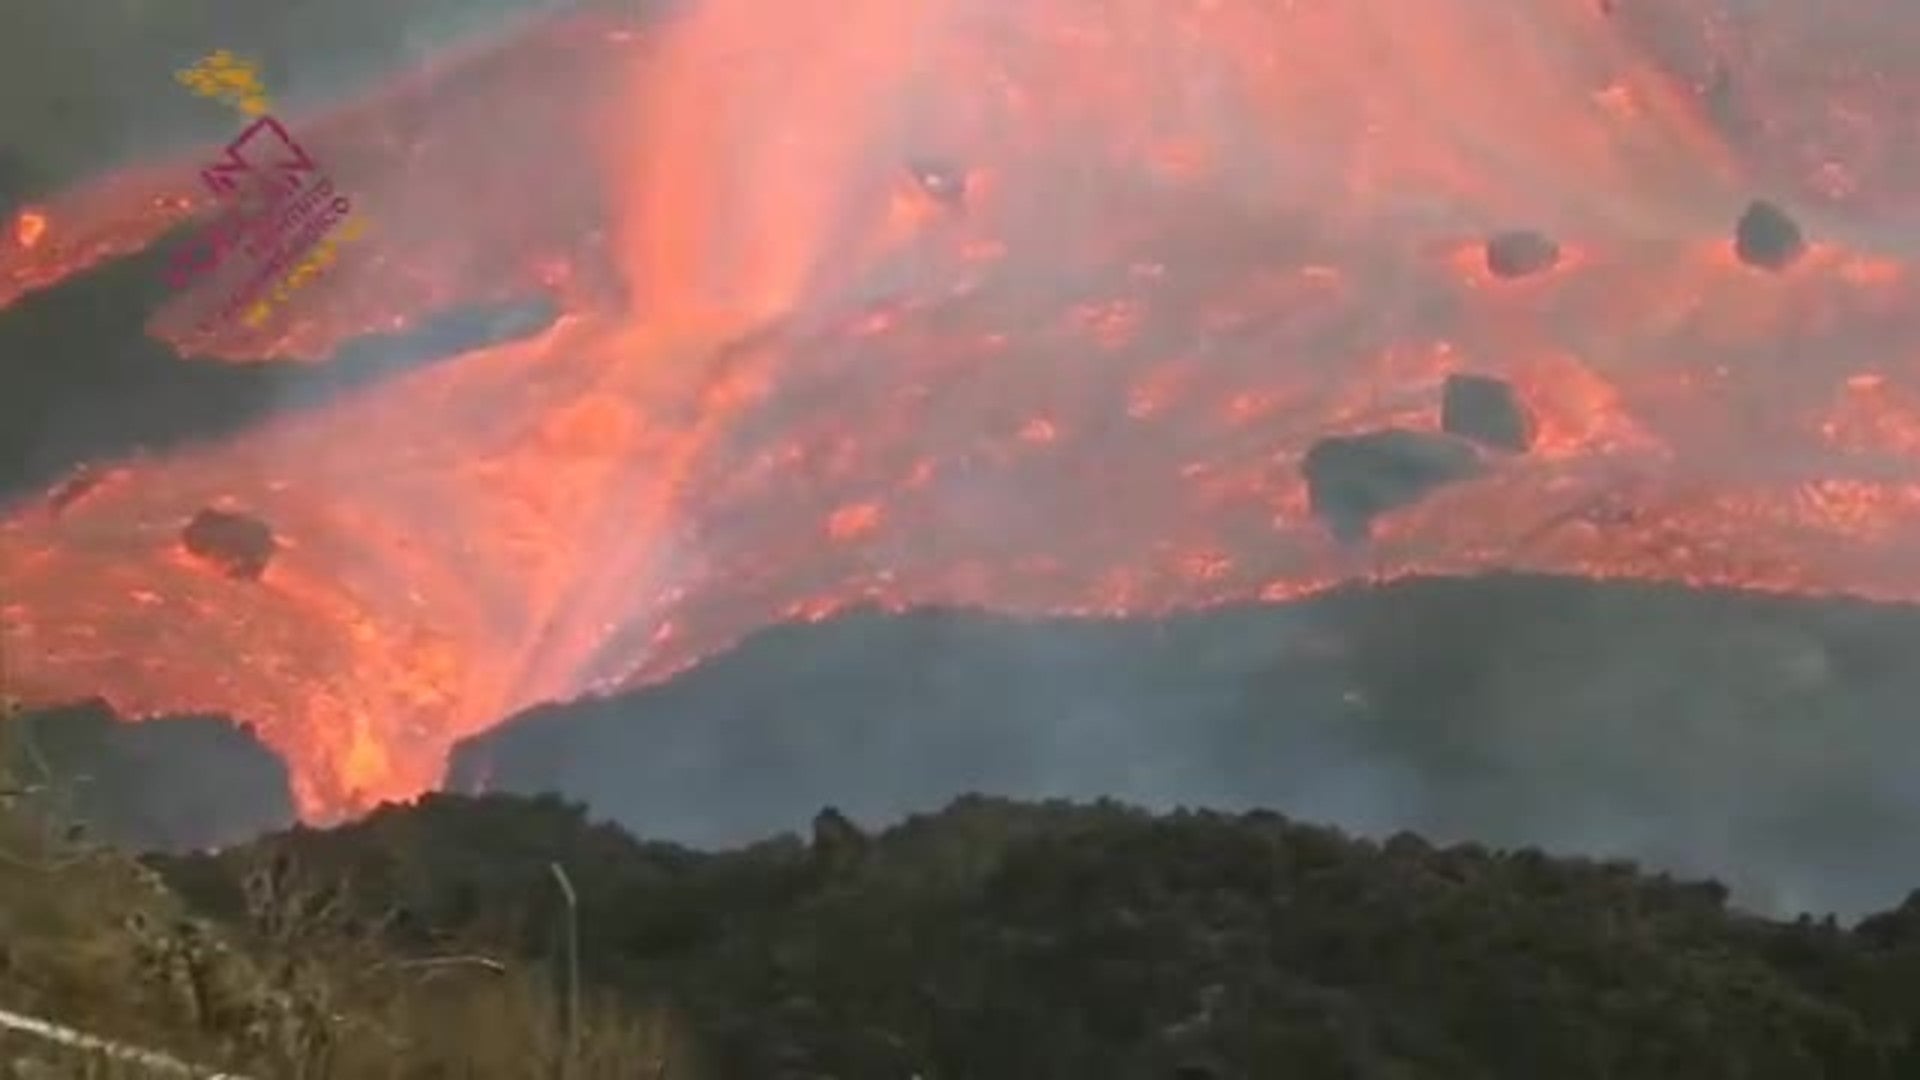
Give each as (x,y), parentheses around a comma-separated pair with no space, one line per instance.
(154,1060)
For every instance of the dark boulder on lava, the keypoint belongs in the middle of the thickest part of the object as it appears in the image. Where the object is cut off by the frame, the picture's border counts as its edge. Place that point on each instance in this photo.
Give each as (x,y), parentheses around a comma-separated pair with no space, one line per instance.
(942,181)
(1766,237)
(1520,253)
(1351,479)
(1486,410)
(241,546)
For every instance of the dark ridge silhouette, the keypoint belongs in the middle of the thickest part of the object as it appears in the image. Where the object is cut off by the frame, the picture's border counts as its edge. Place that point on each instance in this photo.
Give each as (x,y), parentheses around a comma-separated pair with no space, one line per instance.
(176,783)
(1755,738)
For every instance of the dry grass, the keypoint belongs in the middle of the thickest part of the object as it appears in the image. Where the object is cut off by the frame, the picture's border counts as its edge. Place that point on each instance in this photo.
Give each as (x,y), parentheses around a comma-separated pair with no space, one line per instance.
(481,1025)
(455,1013)
(92,940)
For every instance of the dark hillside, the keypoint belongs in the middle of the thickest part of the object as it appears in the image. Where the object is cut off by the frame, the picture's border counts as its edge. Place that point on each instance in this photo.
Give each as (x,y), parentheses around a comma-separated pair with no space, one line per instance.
(1056,942)
(1762,740)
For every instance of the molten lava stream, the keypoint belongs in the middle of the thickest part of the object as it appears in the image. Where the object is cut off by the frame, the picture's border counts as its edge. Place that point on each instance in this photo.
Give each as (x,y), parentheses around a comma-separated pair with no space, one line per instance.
(1037,306)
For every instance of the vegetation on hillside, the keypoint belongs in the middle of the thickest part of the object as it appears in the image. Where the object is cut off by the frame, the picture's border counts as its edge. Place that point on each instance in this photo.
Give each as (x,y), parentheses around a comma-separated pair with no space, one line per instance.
(1008,941)
(995,939)
(299,982)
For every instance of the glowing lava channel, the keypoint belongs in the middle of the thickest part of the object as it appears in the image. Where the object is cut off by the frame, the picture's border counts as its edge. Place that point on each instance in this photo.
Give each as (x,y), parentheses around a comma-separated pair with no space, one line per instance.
(1196,236)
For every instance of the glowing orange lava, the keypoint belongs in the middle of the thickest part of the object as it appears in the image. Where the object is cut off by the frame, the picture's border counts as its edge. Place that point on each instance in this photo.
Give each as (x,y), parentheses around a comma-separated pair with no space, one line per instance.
(28,227)
(1195,236)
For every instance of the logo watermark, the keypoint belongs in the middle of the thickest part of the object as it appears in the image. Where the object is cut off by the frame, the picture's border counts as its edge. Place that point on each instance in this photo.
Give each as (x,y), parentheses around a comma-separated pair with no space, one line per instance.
(277,203)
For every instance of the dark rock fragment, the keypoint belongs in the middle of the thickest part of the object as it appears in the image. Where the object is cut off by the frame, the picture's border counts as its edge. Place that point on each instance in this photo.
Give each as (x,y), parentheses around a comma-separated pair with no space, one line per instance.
(1351,479)
(239,545)
(1521,252)
(942,181)
(1766,237)
(1486,410)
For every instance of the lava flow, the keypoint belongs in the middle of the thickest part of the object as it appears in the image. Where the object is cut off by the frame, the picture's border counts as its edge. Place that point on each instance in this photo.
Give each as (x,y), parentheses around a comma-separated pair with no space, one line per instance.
(1036,305)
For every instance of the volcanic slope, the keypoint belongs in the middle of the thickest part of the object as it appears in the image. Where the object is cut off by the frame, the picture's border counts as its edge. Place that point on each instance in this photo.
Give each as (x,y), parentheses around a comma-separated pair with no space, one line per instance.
(1762,740)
